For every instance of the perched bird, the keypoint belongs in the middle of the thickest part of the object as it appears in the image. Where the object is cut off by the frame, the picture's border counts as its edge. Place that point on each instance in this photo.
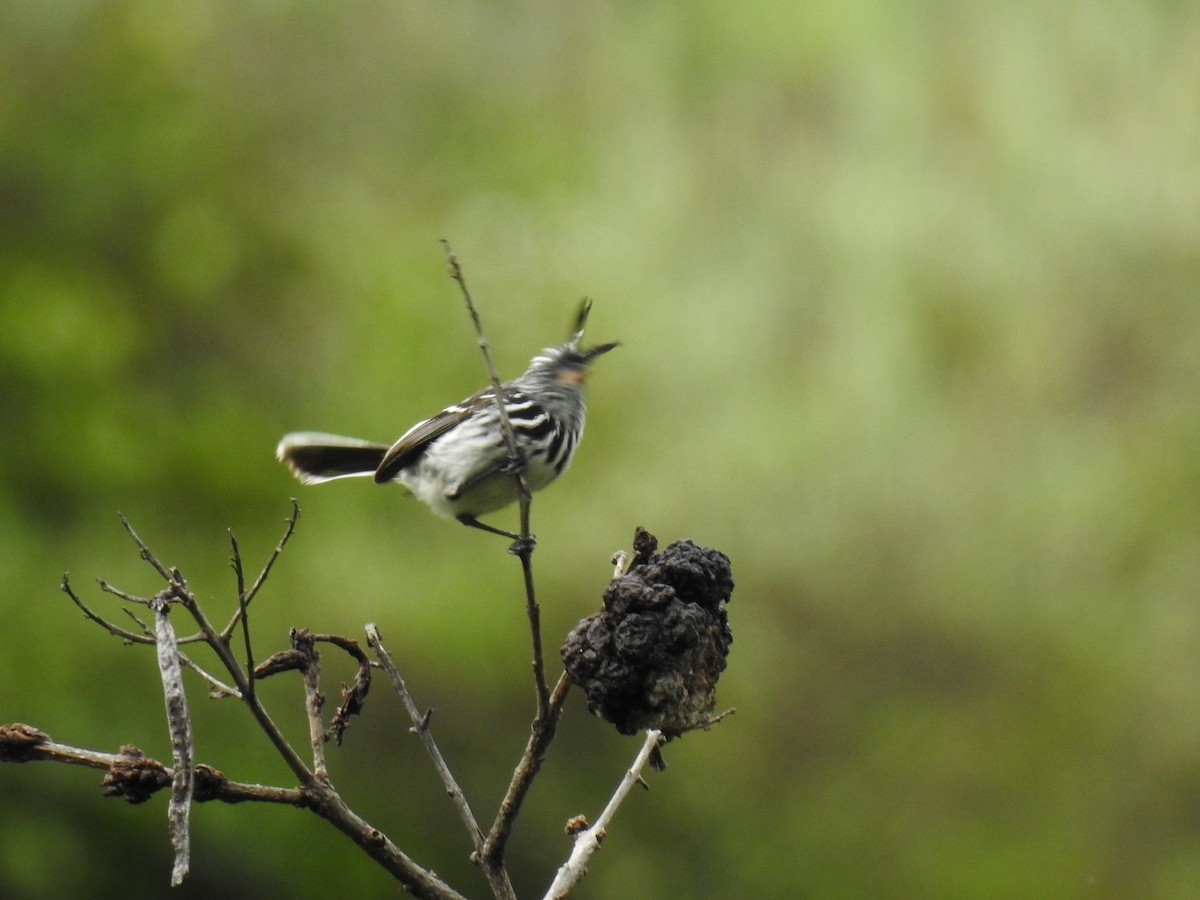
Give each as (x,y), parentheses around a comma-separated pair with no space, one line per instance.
(457,461)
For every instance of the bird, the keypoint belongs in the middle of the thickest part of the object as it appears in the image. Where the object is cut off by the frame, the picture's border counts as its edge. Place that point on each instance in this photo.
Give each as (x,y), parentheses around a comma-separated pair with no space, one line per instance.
(457,461)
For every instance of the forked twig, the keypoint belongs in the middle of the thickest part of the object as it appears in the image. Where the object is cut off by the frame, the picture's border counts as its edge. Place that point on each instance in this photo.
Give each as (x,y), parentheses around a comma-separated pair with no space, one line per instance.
(136,777)
(245,596)
(128,636)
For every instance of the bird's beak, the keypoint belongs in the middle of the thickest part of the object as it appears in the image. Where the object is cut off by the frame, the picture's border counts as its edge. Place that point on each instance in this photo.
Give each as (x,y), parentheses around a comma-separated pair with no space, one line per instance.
(589,355)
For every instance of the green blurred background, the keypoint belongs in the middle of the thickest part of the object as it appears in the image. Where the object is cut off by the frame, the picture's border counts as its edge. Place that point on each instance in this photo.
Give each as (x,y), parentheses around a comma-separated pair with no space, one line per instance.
(908,297)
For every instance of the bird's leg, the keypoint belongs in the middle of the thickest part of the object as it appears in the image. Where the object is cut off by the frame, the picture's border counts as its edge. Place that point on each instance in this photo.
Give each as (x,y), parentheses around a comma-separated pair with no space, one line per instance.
(475,523)
(521,543)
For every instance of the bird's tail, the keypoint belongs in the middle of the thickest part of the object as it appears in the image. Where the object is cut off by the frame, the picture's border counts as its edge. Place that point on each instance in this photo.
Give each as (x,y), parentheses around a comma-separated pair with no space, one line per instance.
(314,457)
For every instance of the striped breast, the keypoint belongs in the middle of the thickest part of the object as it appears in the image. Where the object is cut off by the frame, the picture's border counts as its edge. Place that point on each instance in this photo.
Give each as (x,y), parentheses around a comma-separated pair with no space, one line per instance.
(547,442)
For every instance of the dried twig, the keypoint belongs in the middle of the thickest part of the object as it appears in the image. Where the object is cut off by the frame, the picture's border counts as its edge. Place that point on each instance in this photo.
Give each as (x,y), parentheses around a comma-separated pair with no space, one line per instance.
(235,560)
(496,875)
(523,547)
(354,695)
(245,596)
(219,688)
(534,612)
(588,840)
(146,637)
(23,743)
(133,776)
(510,438)
(128,637)
(144,550)
(542,733)
(314,701)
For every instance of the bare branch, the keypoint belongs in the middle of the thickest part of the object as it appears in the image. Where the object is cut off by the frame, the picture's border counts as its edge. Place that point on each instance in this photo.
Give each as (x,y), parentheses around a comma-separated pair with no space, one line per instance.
(145,551)
(235,560)
(314,700)
(146,629)
(128,636)
(523,546)
(541,735)
(534,613)
(117,592)
(718,718)
(421,730)
(496,874)
(219,688)
(588,840)
(510,439)
(325,802)
(245,596)
(133,776)
(235,563)
(146,637)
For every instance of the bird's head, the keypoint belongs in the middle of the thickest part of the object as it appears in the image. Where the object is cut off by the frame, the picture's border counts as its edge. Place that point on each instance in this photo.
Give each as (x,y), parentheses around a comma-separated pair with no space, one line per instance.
(569,362)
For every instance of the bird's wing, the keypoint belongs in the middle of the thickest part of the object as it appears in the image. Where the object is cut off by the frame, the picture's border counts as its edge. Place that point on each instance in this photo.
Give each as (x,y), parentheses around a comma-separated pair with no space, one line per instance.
(410,445)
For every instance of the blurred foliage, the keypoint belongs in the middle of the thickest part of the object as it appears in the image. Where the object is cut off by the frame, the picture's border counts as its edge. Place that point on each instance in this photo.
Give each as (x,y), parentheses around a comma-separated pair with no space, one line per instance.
(908,297)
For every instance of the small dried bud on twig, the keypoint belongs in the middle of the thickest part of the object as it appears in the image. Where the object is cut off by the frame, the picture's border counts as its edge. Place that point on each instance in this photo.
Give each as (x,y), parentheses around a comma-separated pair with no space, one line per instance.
(18,741)
(134,777)
(576,824)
